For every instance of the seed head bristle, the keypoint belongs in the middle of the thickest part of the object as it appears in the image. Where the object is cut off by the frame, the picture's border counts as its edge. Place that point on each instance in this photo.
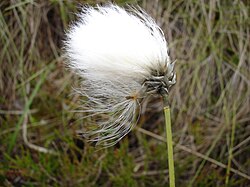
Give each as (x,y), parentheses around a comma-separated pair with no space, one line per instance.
(122,56)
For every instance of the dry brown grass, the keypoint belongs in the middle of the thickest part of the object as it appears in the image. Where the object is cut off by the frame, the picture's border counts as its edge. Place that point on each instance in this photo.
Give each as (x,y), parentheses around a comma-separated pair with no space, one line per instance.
(210,102)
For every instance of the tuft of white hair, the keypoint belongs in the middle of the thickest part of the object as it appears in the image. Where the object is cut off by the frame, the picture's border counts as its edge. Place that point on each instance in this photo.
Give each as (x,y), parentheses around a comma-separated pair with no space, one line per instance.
(122,56)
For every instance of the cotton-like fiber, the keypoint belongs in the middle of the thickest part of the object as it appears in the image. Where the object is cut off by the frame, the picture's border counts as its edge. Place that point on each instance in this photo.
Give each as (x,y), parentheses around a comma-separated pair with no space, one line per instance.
(122,57)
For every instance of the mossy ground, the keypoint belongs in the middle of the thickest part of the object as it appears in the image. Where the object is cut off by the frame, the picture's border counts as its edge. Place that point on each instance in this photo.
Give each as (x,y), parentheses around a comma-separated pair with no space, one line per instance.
(210,101)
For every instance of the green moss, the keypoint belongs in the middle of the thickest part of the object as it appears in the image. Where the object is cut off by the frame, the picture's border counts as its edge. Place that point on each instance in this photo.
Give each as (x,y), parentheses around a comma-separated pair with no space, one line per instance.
(211,44)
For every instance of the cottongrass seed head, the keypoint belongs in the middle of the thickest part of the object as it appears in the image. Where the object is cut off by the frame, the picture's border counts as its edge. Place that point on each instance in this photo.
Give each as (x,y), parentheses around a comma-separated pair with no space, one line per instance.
(122,57)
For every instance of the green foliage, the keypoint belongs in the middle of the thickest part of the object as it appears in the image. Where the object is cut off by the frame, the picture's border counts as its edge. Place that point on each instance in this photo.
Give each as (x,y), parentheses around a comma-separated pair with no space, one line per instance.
(210,101)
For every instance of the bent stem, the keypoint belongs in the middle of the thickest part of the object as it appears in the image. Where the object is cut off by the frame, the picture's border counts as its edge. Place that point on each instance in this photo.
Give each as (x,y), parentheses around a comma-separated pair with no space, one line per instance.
(169,142)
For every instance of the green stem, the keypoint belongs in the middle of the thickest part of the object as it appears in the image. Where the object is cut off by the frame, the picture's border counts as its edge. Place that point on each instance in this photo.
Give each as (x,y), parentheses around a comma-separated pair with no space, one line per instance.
(230,157)
(169,143)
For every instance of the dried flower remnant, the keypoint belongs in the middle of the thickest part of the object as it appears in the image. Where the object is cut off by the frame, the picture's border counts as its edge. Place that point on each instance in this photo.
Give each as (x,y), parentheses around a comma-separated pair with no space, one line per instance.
(122,56)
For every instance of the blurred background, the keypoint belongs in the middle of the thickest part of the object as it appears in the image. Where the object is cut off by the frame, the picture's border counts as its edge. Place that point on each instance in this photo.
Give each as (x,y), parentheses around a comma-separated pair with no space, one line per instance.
(210,103)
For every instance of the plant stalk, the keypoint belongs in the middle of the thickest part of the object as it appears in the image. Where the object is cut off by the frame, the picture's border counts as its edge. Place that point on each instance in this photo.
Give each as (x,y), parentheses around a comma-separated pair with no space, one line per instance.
(169,142)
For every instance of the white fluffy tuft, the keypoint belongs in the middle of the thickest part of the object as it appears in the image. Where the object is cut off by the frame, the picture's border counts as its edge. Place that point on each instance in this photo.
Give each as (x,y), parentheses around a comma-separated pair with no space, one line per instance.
(116,51)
